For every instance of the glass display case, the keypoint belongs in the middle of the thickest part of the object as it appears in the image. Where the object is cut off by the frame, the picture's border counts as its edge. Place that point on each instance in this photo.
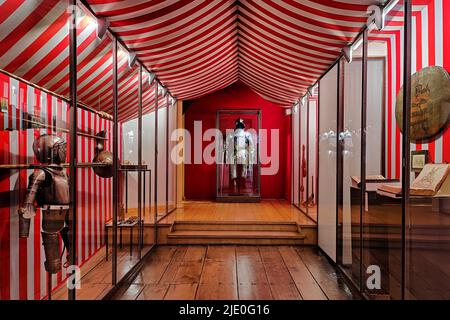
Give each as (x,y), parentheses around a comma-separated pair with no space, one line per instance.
(237,156)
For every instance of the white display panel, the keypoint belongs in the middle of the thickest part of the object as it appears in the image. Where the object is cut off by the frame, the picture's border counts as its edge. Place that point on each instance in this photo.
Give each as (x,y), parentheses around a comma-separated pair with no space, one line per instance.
(375,104)
(130,155)
(303,155)
(312,159)
(162,165)
(172,166)
(351,156)
(148,153)
(327,163)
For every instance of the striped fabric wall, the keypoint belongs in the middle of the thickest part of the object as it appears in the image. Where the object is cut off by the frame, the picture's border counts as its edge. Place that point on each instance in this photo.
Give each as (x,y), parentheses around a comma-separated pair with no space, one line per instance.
(22,274)
(431,25)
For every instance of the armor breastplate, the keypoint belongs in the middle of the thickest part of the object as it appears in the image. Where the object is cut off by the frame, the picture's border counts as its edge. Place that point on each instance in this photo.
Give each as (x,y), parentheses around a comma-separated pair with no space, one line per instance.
(55,189)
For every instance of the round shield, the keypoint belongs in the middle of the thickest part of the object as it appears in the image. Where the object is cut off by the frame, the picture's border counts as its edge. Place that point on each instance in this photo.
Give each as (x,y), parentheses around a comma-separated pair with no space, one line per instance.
(430,103)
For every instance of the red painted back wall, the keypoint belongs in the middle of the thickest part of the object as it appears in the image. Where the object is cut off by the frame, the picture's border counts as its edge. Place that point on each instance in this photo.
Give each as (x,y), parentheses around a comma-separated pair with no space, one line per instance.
(200,179)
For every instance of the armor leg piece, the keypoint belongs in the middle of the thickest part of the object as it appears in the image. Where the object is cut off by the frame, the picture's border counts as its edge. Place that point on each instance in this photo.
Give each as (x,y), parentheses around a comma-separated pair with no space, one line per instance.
(52,223)
(51,248)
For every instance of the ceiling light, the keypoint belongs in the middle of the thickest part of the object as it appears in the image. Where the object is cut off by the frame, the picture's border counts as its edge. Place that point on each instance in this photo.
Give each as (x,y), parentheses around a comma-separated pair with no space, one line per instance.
(102,26)
(151,77)
(131,59)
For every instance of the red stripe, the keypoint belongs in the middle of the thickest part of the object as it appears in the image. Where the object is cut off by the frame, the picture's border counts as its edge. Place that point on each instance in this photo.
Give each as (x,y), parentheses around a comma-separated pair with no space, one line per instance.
(23,181)
(26,25)
(418,52)
(89,186)
(398,143)
(59,23)
(163,12)
(446,48)
(94,193)
(431,61)
(8,8)
(4,212)
(389,108)
(83,191)
(131,9)
(37,218)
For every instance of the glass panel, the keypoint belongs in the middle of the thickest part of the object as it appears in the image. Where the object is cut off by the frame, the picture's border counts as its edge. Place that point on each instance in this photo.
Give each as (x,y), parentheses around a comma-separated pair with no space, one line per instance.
(349,215)
(382,216)
(33,117)
(312,155)
(238,169)
(148,152)
(94,143)
(303,154)
(172,166)
(162,152)
(296,154)
(148,159)
(327,162)
(128,214)
(427,216)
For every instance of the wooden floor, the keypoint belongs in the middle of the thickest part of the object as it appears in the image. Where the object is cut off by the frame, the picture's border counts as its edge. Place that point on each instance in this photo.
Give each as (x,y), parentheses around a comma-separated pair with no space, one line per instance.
(236,272)
(266,210)
(96,274)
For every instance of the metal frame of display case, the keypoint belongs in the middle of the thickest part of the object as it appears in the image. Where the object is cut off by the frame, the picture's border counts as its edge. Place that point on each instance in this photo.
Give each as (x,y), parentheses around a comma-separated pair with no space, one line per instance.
(243,198)
(356,286)
(73,132)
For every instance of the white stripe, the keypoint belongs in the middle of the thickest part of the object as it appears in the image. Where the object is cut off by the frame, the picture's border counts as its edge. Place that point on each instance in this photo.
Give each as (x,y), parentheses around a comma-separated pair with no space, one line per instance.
(425,59)
(85,190)
(17,17)
(31,36)
(170,15)
(393,124)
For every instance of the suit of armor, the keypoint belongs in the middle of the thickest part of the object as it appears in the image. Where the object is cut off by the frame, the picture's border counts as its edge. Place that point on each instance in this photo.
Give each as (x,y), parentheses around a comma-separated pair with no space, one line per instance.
(48,189)
(239,154)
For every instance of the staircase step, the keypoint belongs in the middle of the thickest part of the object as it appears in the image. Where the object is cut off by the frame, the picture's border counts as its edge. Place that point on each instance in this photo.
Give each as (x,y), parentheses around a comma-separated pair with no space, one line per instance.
(234,226)
(235,237)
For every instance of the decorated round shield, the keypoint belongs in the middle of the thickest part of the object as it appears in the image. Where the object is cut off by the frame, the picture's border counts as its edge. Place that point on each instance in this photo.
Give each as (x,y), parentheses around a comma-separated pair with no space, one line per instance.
(430,103)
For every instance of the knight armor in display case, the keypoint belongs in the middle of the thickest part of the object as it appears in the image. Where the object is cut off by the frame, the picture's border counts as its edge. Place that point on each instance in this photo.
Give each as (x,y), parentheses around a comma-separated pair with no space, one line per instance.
(239,154)
(48,189)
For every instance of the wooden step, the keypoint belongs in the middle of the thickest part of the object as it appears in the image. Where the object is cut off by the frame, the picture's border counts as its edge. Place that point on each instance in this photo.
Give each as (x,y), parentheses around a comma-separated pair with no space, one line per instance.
(235,237)
(238,232)
(235,226)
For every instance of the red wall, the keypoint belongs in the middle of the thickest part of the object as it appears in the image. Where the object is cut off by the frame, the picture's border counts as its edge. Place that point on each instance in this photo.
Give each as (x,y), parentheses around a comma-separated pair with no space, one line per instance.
(200,179)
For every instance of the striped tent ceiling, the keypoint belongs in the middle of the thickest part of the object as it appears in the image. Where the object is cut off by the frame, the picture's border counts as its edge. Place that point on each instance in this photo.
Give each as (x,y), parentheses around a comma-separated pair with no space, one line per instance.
(278,47)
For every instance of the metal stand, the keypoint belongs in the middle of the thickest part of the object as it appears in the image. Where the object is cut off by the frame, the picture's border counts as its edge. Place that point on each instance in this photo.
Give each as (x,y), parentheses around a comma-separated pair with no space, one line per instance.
(140,223)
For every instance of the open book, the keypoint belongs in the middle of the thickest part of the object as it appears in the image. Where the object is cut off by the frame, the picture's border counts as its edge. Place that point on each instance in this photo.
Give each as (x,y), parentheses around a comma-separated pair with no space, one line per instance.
(427,183)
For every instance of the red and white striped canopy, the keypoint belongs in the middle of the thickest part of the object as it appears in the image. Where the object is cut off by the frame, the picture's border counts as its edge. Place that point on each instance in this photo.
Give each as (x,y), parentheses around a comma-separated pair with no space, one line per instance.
(276,47)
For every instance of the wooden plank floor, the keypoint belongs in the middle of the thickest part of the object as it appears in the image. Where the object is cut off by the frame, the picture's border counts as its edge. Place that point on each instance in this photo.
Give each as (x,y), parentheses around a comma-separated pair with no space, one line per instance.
(236,273)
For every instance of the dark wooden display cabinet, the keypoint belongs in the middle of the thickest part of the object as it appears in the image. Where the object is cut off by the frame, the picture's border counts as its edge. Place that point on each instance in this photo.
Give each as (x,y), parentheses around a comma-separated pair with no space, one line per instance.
(379,242)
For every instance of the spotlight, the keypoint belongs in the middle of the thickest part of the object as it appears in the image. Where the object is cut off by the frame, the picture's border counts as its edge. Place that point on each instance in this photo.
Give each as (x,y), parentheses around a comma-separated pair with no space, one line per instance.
(348,50)
(102,27)
(131,59)
(162,90)
(151,77)
(375,18)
